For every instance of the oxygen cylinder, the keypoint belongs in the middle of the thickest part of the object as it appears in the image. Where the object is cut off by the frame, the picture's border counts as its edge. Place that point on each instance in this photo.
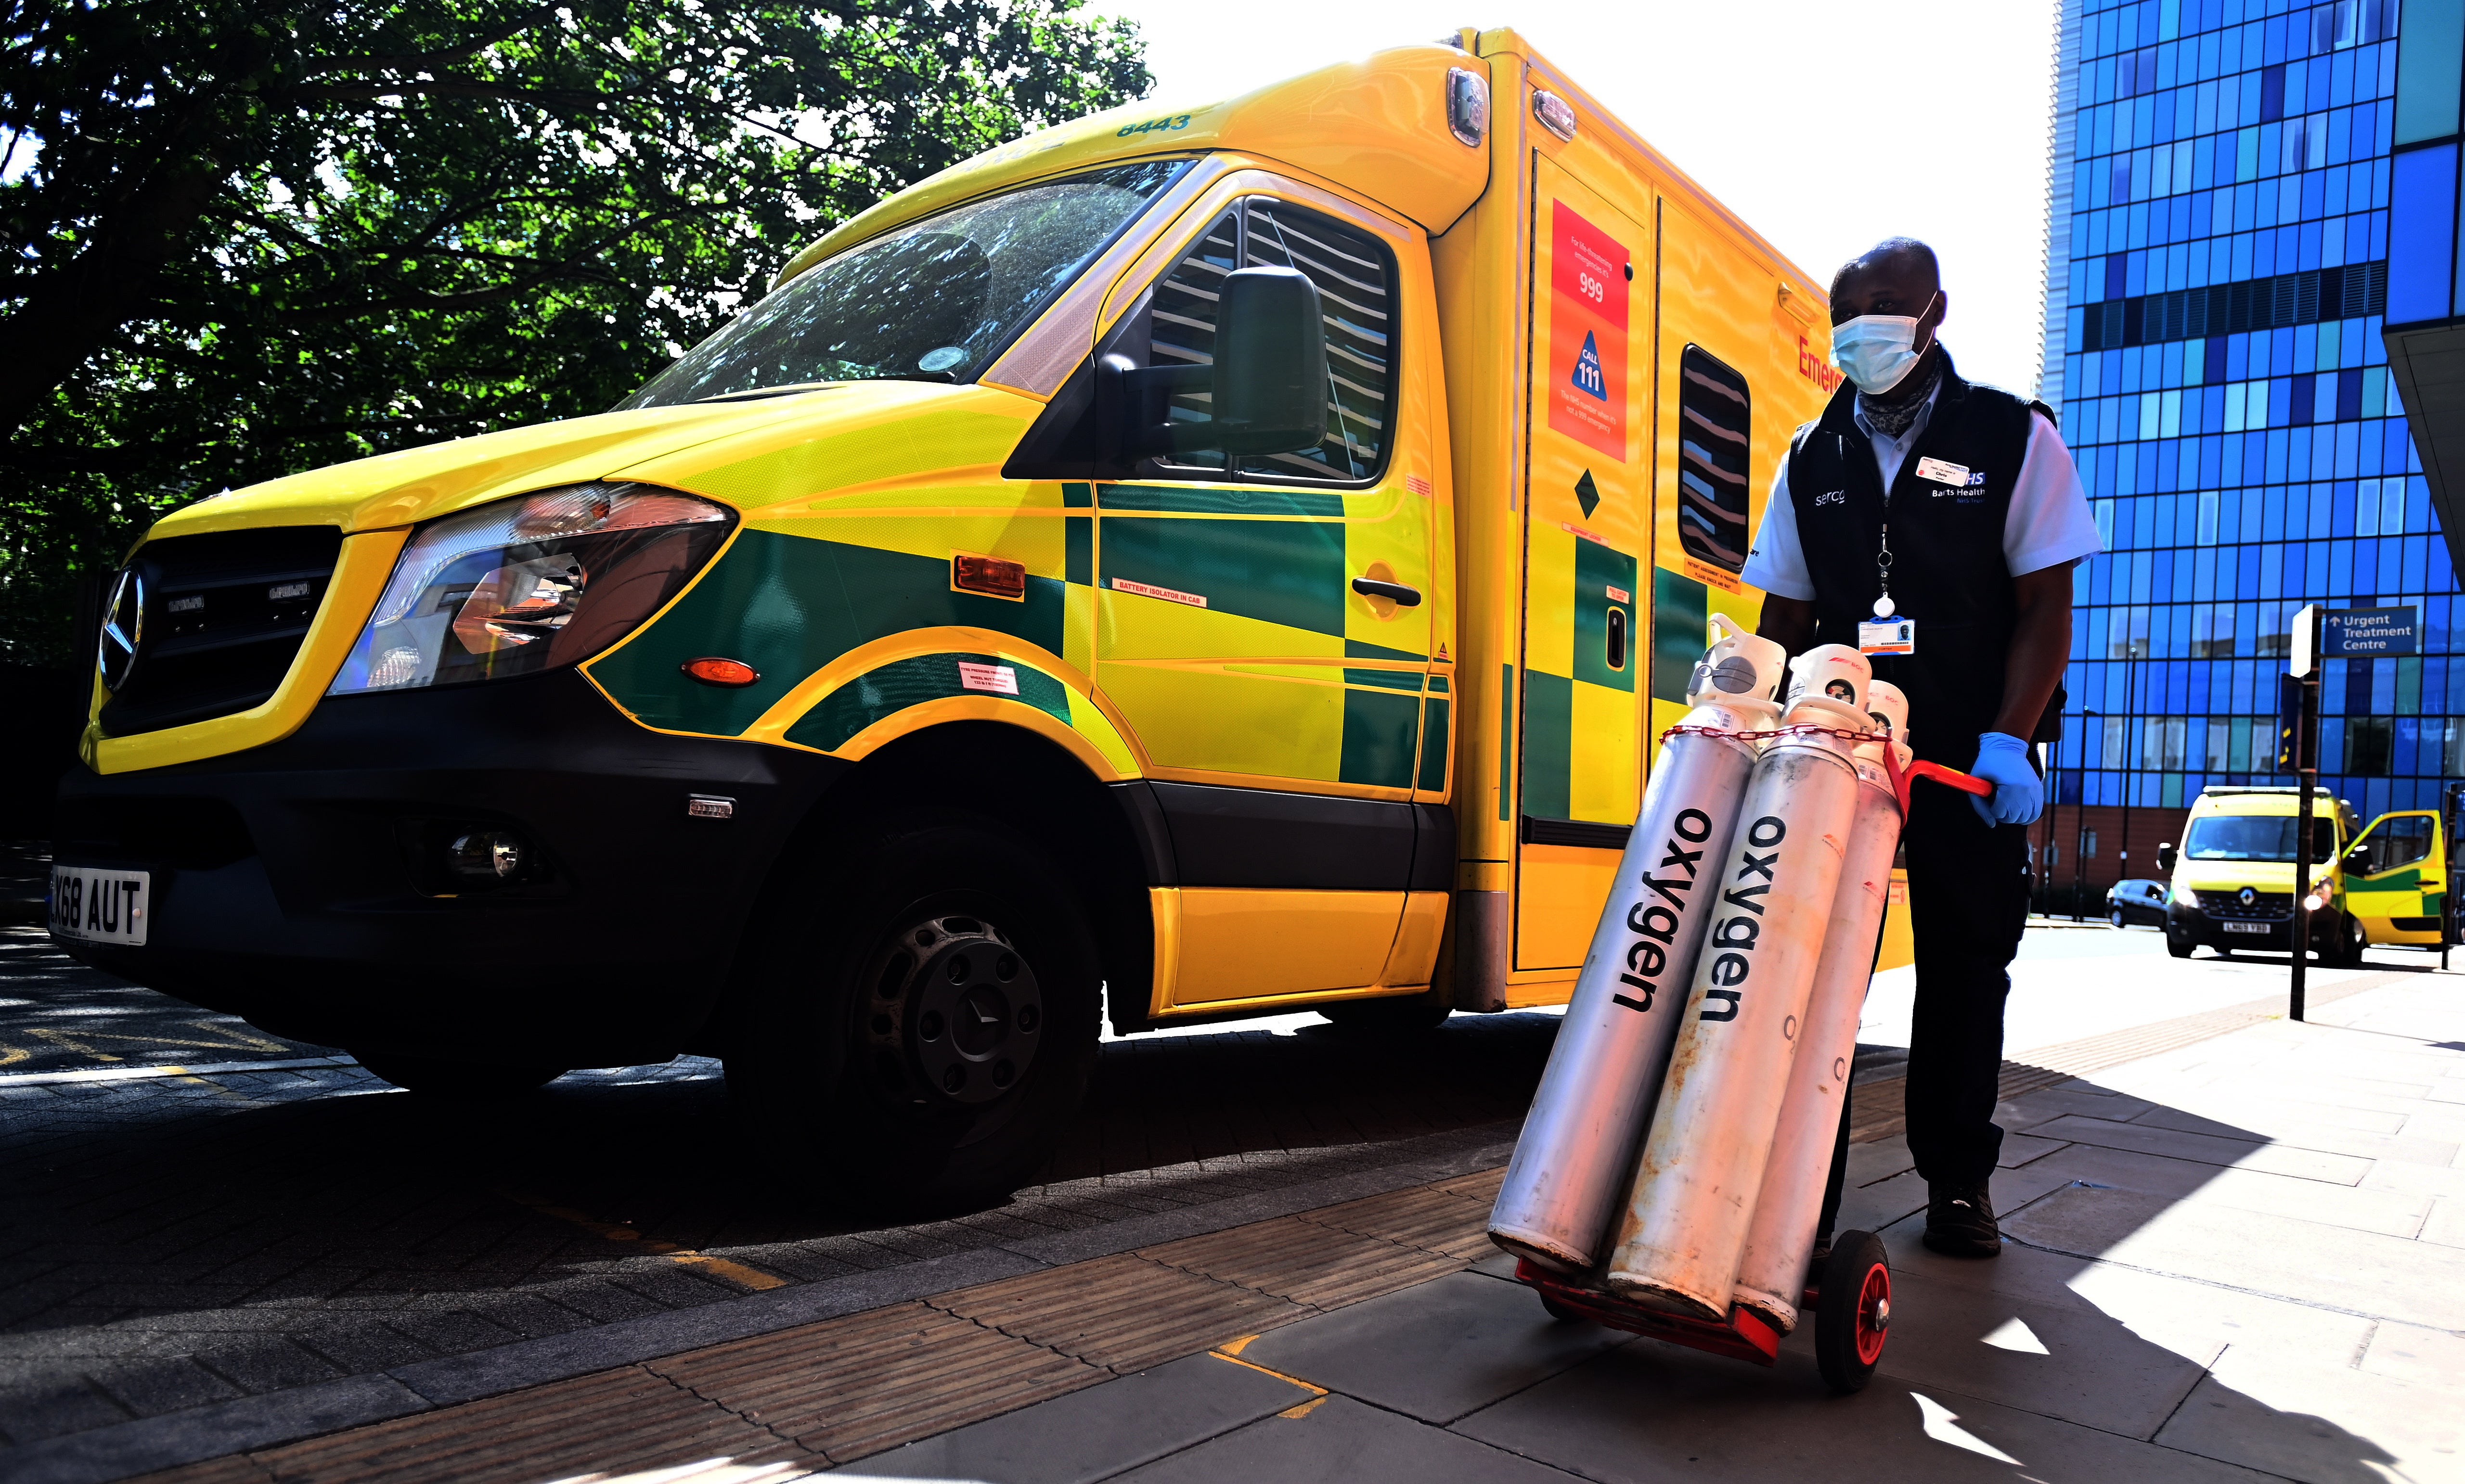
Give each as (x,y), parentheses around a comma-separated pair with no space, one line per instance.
(1578,1144)
(1772,1274)
(1703,1163)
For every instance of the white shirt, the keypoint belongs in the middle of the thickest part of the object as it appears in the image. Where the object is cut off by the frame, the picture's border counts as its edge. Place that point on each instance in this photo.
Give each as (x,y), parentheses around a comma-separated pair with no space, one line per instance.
(2049,523)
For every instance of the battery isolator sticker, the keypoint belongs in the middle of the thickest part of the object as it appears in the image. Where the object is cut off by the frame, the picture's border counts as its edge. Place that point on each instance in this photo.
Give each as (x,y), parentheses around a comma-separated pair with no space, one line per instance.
(1588,315)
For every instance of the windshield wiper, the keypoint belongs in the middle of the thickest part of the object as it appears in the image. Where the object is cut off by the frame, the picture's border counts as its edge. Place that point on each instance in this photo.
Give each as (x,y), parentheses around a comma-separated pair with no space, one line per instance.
(759,392)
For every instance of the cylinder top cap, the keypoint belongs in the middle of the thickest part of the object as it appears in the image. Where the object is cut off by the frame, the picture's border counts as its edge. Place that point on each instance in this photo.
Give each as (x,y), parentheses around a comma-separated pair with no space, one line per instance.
(1739,665)
(1830,669)
(1888,708)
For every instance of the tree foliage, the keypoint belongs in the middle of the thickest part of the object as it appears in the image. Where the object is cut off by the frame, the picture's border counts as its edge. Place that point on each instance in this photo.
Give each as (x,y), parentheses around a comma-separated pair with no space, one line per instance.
(247,237)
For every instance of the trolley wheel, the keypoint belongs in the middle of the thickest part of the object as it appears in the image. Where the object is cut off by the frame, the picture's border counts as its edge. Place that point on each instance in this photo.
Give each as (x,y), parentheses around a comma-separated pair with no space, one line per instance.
(1856,1310)
(1557,1310)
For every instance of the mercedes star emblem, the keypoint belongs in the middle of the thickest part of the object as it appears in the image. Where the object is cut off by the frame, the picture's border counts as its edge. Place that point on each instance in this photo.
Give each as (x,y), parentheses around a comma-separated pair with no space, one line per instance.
(123,626)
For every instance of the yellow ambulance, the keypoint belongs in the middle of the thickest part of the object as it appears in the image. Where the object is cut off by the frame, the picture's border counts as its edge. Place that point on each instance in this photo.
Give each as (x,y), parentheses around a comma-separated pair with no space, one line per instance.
(1191,563)
(2231,881)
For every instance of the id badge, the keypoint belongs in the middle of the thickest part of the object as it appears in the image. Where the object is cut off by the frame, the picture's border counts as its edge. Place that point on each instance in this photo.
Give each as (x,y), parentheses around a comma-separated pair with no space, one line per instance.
(1887,636)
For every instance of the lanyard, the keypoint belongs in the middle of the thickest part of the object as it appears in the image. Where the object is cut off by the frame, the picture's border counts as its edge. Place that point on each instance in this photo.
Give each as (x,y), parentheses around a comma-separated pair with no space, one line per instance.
(1883,605)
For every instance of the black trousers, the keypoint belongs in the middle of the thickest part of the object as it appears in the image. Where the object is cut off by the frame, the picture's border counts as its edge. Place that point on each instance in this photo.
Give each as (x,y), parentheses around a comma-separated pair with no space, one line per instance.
(1968,903)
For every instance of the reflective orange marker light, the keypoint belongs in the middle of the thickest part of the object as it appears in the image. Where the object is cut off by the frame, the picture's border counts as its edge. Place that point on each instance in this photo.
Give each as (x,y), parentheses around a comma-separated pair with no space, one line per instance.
(711,669)
(988,575)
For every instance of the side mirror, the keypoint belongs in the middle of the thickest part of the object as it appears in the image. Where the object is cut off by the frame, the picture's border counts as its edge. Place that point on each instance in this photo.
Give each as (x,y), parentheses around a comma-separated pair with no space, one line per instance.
(1271,384)
(2166,857)
(1267,388)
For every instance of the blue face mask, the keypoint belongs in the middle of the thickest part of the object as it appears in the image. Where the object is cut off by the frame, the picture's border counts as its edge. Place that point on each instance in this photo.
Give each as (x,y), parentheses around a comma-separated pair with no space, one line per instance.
(1877,351)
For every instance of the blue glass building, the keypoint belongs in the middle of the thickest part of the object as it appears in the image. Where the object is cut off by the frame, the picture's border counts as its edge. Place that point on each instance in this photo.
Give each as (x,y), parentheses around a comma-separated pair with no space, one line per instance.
(2253,213)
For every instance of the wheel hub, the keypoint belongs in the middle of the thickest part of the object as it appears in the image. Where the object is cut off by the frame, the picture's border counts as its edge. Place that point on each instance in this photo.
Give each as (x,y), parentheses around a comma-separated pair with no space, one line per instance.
(956,1015)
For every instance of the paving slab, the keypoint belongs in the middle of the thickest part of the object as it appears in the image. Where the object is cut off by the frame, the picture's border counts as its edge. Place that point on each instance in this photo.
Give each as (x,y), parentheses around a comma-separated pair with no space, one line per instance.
(2361,1207)
(2322,1129)
(2066,1360)
(1098,1432)
(2284,1120)
(2409,1352)
(1649,1412)
(2247,1153)
(1340,1441)
(2323,1425)
(2362,1271)
(1434,1352)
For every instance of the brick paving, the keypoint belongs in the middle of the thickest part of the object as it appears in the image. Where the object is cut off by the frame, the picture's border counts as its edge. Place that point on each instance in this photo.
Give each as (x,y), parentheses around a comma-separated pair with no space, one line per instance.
(167,1243)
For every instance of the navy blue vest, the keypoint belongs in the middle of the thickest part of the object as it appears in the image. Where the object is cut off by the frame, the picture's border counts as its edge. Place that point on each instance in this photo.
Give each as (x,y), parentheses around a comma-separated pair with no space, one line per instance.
(1947,568)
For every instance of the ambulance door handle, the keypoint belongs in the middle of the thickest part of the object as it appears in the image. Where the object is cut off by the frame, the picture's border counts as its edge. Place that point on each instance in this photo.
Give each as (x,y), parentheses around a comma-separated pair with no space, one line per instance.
(1393,592)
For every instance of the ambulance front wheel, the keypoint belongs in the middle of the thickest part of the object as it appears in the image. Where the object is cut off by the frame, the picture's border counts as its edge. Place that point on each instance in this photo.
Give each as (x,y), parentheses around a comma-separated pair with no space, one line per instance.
(918,1019)
(1853,1312)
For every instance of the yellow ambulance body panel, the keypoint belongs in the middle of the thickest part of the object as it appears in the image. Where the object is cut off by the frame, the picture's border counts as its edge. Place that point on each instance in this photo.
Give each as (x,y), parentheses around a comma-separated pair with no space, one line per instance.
(1372,716)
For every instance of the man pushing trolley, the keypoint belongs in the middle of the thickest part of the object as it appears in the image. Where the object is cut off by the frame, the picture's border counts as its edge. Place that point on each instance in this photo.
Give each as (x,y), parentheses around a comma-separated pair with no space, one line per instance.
(1679,1170)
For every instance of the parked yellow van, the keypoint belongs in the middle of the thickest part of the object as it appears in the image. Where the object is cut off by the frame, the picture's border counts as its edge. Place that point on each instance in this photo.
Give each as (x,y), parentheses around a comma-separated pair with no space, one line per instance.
(1188,563)
(2233,876)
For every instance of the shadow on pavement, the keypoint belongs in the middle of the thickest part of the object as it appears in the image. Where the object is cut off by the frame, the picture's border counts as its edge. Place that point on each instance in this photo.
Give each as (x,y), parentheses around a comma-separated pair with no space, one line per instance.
(168,1242)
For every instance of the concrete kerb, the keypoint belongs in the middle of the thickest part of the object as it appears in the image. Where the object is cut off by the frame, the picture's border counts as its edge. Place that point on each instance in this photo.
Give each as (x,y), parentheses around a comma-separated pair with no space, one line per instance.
(126,1450)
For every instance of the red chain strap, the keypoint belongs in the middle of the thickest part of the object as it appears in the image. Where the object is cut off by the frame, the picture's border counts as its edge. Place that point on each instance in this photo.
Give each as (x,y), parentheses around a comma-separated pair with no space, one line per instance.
(1900,776)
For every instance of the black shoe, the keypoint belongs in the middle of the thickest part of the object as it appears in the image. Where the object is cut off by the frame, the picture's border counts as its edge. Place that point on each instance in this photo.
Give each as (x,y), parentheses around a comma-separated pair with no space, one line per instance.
(1960,1222)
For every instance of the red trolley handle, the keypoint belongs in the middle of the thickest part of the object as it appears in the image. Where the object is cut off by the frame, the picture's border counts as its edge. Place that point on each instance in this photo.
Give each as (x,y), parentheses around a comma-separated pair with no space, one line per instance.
(1949,777)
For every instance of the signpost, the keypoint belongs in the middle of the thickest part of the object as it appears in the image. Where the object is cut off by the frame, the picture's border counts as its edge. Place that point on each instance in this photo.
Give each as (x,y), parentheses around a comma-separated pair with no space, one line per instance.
(2450,815)
(2324,633)
(2299,752)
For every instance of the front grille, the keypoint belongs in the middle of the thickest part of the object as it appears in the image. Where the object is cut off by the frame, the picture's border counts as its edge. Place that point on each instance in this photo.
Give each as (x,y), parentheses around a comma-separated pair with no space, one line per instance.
(2265,906)
(225,613)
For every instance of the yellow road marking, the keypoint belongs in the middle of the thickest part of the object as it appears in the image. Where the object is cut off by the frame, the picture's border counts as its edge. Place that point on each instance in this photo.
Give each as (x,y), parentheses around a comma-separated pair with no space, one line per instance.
(736,1272)
(1225,1353)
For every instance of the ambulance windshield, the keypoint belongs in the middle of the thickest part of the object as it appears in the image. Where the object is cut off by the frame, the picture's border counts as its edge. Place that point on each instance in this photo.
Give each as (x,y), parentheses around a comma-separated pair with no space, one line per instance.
(932,301)
(2267,837)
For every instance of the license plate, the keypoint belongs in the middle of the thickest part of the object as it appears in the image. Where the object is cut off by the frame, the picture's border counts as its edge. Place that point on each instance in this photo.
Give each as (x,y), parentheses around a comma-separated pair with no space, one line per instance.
(2248,927)
(97,905)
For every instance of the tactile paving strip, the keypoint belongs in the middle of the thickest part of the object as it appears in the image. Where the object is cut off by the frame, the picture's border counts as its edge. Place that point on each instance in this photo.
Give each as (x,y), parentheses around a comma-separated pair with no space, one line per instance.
(1122,1311)
(849,1388)
(854,1385)
(1308,1263)
(547,1433)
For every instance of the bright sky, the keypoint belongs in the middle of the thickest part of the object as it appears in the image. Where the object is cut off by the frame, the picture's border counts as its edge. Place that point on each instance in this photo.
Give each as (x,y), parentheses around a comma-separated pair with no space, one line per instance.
(1828,126)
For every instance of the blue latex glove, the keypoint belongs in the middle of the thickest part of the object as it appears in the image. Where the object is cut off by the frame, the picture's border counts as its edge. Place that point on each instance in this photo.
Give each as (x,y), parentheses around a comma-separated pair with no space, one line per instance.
(2019,793)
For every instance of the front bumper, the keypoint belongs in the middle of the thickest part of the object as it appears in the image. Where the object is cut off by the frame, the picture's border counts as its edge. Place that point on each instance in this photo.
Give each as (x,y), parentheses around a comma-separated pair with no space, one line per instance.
(300,886)
(2200,928)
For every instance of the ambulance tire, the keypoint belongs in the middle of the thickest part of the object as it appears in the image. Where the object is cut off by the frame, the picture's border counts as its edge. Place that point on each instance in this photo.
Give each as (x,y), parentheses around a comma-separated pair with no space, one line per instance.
(457,1081)
(1853,1312)
(2179,948)
(1409,1015)
(2351,942)
(892,945)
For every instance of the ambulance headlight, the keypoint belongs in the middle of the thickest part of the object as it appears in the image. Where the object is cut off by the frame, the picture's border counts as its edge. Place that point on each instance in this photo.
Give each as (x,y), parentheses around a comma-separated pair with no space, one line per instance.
(2184,897)
(524,585)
